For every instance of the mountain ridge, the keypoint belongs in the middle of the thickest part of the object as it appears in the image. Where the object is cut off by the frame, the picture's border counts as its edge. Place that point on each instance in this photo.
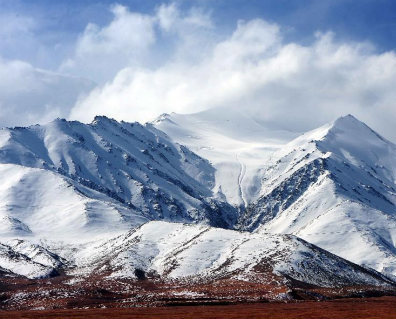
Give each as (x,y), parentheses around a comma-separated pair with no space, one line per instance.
(125,201)
(342,171)
(127,164)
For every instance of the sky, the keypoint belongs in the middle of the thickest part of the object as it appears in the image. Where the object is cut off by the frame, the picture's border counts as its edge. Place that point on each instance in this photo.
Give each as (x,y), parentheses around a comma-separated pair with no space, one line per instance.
(291,64)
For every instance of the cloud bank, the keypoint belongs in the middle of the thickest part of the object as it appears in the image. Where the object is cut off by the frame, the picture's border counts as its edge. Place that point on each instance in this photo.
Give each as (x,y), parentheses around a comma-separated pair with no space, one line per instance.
(287,84)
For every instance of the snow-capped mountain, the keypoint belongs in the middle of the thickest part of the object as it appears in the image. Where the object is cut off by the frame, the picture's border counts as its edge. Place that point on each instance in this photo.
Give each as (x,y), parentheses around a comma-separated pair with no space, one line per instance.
(334,186)
(20,257)
(102,177)
(198,197)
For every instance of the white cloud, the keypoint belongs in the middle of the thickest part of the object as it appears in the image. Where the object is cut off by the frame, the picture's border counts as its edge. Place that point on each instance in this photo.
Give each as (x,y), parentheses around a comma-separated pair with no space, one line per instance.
(102,51)
(29,95)
(170,18)
(167,16)
(183,86)
(136,40)
(288,84)
(175,60)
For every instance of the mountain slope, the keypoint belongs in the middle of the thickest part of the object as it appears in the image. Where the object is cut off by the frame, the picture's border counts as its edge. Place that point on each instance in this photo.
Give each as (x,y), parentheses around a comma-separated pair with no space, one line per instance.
(334,187)
(175,251)
(178,251)
(162,263)
(40,203)
(236,145)
(101,176)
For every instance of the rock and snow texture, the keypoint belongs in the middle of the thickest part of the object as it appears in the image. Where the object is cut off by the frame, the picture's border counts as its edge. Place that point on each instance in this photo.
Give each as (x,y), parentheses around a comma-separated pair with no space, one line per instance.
(233,142)
(86,198)
(171,250)
(68,179)
(176,251)
(334,187)
(39,203)
(22,258)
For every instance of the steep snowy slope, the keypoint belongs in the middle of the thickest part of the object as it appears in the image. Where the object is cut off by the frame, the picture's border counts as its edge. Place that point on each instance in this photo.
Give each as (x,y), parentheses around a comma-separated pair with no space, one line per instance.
(40,264)
(69,178)
(334,187)
(233,142)
(40,203)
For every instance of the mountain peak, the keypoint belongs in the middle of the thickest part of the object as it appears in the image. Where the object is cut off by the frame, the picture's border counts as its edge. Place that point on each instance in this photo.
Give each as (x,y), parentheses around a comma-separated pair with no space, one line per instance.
(355,130)
(346,127)
(103,119)
(348,122)
(348,139)
(349,118)
(55,122)
(163,117)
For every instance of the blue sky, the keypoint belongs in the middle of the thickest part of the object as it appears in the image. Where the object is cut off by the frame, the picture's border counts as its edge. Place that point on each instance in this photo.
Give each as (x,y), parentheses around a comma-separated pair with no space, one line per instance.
(135,59)
(58,23)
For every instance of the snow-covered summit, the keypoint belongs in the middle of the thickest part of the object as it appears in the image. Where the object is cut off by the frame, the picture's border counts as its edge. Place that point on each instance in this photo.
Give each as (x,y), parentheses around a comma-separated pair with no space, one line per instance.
(349,138)
(335,187)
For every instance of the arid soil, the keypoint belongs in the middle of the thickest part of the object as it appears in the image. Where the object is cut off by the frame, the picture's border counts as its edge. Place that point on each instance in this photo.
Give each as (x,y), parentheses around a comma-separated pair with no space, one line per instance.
(381,308)
(62,292)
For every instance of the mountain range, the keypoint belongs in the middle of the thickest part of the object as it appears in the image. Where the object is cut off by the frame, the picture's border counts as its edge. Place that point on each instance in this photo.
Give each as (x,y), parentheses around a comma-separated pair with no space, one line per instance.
(213,199)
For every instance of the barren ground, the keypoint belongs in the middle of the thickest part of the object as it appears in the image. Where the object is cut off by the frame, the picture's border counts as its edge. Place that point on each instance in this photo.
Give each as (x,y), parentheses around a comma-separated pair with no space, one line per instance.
(382,307)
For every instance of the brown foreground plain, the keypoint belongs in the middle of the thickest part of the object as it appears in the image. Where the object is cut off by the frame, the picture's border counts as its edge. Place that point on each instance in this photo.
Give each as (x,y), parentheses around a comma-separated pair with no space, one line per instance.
(362,308)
